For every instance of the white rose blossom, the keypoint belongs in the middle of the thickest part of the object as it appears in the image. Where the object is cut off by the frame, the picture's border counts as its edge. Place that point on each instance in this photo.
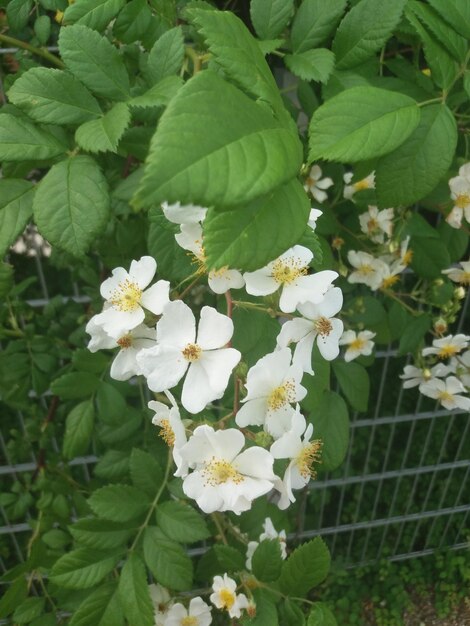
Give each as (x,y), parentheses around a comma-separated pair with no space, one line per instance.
(225,596)
(316,185)
(270,533)
(225,478)
(357,344)
(127,297)
(413,376)
(313,217)
(161,601)
(198,614)
(369,270)
(208,363)
(184,213)
(459,274)
(273,384)
(376,224)
(448,346)
(290,271)
(172,431)
(460,194)
(317,322)
(351,188)
(447,392)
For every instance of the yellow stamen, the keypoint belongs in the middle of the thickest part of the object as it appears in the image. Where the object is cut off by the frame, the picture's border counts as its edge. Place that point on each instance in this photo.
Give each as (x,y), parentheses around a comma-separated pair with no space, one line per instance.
(445,396)
(323,326)
(389,281)
(372,225)
(192,352)
(310,454)
(227,598)
(447,351)
(357,344)
(189,621)
(287,271)
(465,278)
(462,200)
(282,395)
(218,471)
(127,296)
(167,433)
(407,257)
(125,342)
(365,269)
(362,184)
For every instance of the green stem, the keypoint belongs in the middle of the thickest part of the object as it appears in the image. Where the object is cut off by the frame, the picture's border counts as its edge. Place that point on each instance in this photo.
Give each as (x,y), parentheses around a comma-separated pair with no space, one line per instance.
(431,101)
(42,52)
(216,520)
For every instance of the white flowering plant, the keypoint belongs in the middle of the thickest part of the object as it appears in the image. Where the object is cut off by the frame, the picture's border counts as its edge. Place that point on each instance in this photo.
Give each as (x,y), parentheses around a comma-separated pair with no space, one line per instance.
(159,158)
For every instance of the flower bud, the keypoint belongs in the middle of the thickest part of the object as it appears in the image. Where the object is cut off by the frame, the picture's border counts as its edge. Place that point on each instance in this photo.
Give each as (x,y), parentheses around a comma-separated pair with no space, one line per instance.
(440,326)
(337,243)
(263,439)
(251,609)
(459,293)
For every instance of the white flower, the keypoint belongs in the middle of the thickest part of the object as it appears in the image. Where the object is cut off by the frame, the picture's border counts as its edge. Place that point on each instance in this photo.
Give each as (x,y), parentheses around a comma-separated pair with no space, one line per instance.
(461,367)
(225,596)
(405,254)
(126,298)
(312,218)
(183,214)
(369,270)
(297,446)
(414,376)
(199,614)
(289,271)
(270,533)
(357,344)
(124,365)
(376,224)
(316,184)
(172,431)
(224,279)
(459,275)
(390,273)
(460,194)
(224,478)
(273,384)
(360,185)
(178,348)
(447,392)
(161,601)
(190,238)
(317,323)
(447,346)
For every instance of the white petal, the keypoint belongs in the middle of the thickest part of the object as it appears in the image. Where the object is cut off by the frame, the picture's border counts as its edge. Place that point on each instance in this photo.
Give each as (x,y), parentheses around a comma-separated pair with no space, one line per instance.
(197,391)
(268,373)
(222,281)
(286,447)
(218,365)
(329,344)
(156,296)
(163,366)
(293,331)
(303,353)
(260,283)
(328,307)
(215,329)
(252,413)
(108,287)
(125,365)
(177,326)
(118,323)
(142,271)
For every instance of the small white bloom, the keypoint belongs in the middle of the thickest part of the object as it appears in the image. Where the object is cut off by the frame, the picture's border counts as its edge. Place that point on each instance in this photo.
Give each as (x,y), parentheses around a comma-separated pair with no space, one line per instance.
(224,279)
(297,446)
(161,601)
(199,614)
(190,238)
(224,477)
(172,431)
(369,270)
(360,185)
(455,217)
(312,218)
(271,534)
(376,224)
(414,376)
(126,297)
(460,366)
(183,214)
(178,349)
(405,254)
(390,273)
(316,185)
(447,346)
(317,323)
(460,194)
(225,596)
(459,275)
(290,271)
(357,344)
(273,384)
(447,392)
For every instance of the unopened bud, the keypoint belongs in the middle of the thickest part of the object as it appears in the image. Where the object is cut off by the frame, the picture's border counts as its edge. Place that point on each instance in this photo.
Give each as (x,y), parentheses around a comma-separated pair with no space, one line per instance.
(438,282)
(427,374)
(459,293)
(337,243)
(241,370)
(440,326)
(251,609)
(263,439)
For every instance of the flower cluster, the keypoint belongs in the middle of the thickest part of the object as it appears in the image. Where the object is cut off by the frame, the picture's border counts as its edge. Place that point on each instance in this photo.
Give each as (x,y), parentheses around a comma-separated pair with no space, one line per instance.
(460,194)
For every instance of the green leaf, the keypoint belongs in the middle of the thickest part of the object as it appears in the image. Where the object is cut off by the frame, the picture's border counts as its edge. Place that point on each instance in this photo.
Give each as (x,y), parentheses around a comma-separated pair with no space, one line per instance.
(6,279)
(16,208)
(242,155)
(266,612)
(158,95)
(331,425)
(166,56)
(292,614)
(13,596)
(134,592)
(75,385)
(430,257)
(364,30)
(133,21)
(103,134)
(250,236)
(313,23)
(18,14)
(69,213)
(53,97)
(42,28)
(83,568)
(312,64)
(267,561)
(21,140)
(354,382)
(414,169)
(168,562)
(455,240)
(270,17)
(456,13)
(94,61)
(119,503)
(95,14)
(254,335)
(320,615)
(78,430)
(146,473)
(173,262)
(361,123)
(305,568)
(29,610)
(414,333)
(101,534)
(100,608)
(240,56)
(229,558)
(181,522)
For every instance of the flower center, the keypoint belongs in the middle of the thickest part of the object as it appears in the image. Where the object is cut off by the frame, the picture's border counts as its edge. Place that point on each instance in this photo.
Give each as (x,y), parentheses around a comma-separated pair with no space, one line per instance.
(446,351)
(465,278)
(189,621)
(407,257)
(365,269)
(323,326)
(287,271)
(125,341)
(445,396)
(167,433)
(311,182)
(389,281)
(227,598)
(220,273)
(361,185)
(462,200)
(282,395)
(192,352)
(357,344)
(127,296)
(218,471)
(372,225)
(310,454)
